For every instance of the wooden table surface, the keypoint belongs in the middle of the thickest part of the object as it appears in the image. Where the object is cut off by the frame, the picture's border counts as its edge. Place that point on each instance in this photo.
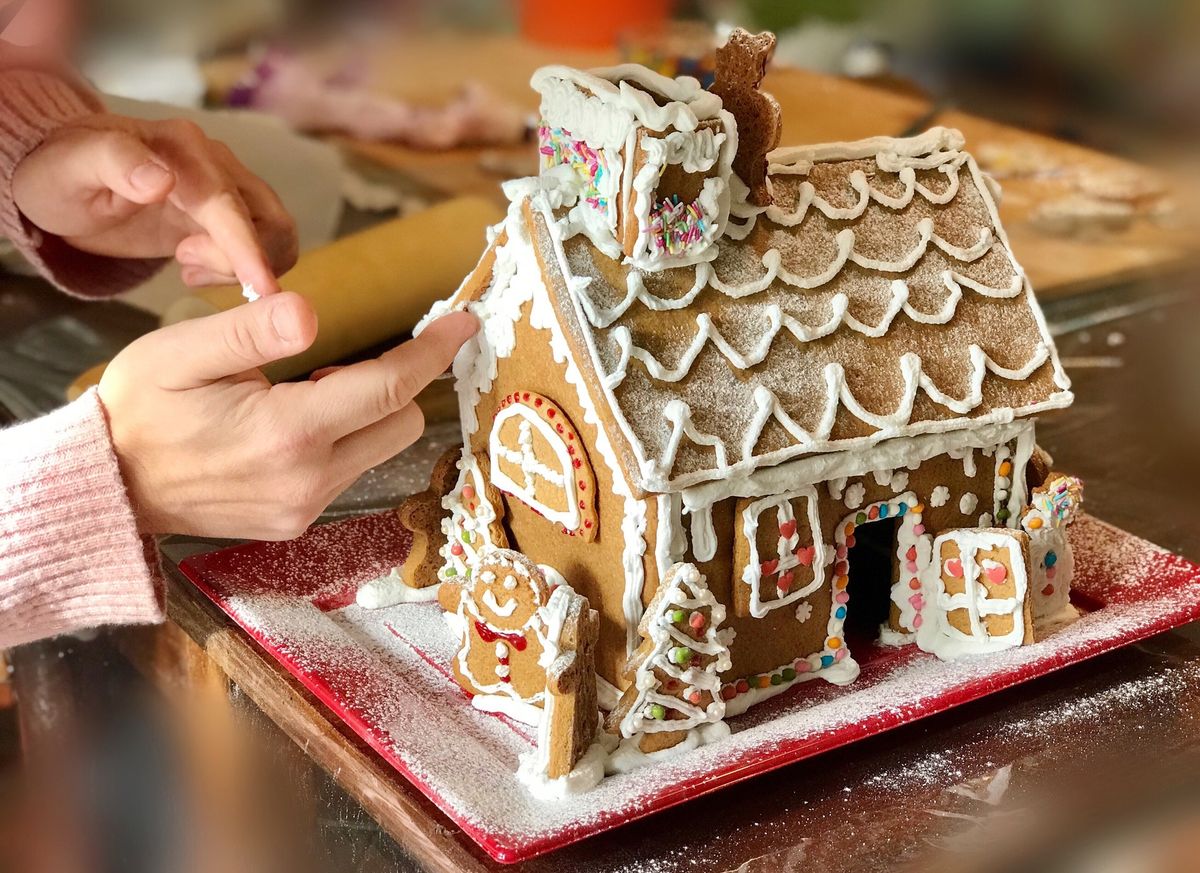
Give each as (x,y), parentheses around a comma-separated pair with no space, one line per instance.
(1130,718)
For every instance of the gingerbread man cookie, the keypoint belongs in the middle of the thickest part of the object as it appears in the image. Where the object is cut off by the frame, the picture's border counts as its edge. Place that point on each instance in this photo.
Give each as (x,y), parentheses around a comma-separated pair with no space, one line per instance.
(741,66)
(503,634)
(421,515)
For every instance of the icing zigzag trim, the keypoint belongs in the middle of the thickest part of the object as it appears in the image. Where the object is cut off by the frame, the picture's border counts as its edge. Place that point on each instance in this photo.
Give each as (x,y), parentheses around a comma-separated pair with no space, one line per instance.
(772,261)
(807,197)
(778,321)
(838,394)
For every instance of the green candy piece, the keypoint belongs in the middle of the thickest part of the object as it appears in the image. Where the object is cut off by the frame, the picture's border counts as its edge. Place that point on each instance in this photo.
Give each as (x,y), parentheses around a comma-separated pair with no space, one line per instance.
(861,518)
(658,712)
(788,674)
(681,655)
(1003,514)
(676,616)
(776,679)
(450,571)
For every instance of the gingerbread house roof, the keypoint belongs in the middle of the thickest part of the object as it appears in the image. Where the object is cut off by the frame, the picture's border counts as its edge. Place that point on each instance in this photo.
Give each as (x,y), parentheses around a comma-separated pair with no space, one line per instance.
(876,298)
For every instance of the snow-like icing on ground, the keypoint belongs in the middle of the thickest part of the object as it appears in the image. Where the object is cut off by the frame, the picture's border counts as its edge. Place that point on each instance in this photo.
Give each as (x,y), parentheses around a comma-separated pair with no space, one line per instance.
(391,667)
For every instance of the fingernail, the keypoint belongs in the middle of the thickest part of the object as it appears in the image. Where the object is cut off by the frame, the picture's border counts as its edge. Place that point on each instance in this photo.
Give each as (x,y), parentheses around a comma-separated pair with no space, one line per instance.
(465,324)
(149,176)
(283,319)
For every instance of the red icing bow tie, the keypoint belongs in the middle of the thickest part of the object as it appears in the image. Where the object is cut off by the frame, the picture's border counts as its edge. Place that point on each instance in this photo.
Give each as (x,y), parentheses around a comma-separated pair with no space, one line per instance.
(490,635)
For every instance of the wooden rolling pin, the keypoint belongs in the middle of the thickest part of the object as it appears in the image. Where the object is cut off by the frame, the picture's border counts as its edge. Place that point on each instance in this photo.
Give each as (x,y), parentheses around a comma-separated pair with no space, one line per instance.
(365,288)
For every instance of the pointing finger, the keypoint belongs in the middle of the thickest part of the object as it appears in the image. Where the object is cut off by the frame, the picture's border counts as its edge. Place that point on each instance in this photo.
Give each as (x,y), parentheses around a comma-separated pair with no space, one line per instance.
(206,193)
(361,394)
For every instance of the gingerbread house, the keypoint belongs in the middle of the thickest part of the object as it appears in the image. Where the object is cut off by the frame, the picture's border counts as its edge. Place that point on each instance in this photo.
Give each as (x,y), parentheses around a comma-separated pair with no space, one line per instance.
(823,401)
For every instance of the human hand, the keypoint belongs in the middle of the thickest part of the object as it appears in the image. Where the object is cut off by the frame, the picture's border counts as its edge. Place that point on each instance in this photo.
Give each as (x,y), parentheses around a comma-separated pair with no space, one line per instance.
(127,188)
(209,447)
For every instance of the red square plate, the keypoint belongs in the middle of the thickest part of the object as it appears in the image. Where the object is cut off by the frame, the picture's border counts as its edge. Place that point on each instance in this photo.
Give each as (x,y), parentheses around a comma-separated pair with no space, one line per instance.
(385,673)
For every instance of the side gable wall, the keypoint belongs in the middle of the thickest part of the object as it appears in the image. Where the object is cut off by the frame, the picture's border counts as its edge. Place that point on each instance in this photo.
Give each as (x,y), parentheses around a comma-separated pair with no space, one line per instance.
(593,569)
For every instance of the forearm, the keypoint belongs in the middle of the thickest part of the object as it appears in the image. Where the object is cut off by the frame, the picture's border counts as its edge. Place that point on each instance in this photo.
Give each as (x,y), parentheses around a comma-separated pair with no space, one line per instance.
(70,553)
(35,102)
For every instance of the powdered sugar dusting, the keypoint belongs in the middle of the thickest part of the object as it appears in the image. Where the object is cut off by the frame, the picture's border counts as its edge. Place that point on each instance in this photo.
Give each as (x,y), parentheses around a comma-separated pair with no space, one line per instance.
(386,671)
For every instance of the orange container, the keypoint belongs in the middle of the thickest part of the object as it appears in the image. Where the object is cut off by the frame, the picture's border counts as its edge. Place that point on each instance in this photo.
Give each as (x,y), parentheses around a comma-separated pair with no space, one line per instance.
(560,23)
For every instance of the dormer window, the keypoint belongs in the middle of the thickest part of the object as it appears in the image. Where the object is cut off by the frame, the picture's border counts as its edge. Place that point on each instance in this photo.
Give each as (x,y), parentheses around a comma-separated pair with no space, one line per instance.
(649,161)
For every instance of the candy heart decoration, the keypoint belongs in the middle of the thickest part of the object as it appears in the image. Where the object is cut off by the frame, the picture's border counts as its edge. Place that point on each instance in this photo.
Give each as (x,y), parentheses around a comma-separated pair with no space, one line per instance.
(1048,590)
(787,530)
(953,568)
(911,554)
(785,581)
(994,572)
(769,567)
(805,555)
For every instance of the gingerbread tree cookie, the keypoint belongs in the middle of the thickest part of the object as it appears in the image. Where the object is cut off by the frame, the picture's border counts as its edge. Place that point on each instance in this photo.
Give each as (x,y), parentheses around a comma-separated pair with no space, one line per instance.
(676,672)
(471,524)
(1052,507)
(741,66)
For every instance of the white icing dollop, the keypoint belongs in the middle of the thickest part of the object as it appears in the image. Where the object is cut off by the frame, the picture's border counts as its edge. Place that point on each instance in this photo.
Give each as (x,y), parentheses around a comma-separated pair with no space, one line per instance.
(390,590)
(855,495)
(939,496)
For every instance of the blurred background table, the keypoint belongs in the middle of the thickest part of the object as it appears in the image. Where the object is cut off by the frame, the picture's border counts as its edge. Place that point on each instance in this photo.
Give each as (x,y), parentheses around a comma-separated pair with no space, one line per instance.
(239,741)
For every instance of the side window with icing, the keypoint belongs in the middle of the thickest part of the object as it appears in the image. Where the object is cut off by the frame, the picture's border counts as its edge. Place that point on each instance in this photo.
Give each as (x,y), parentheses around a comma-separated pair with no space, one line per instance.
(538,458)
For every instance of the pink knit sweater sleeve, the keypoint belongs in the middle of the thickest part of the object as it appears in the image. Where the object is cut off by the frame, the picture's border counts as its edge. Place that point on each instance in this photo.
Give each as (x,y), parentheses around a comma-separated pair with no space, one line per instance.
(70,554)
(34,102)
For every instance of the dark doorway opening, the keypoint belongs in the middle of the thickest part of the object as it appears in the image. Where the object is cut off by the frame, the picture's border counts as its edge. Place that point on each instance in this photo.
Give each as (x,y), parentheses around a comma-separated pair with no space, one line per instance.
(872,571)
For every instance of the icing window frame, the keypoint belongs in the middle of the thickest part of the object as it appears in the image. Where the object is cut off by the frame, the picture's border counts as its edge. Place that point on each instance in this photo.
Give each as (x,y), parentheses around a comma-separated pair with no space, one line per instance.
(749,564)
(574,474)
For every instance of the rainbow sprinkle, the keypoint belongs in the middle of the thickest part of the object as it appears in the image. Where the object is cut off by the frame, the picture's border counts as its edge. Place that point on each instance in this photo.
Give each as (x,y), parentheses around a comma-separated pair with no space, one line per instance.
(557,146)
(674,226)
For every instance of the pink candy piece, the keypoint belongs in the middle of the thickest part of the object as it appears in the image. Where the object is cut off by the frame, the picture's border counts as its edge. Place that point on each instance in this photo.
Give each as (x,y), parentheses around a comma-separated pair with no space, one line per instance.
(918,529)
(843,597)
(802,665)
(1051,572)
(911,566)
(839,654)
(841,551)
(918,620)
